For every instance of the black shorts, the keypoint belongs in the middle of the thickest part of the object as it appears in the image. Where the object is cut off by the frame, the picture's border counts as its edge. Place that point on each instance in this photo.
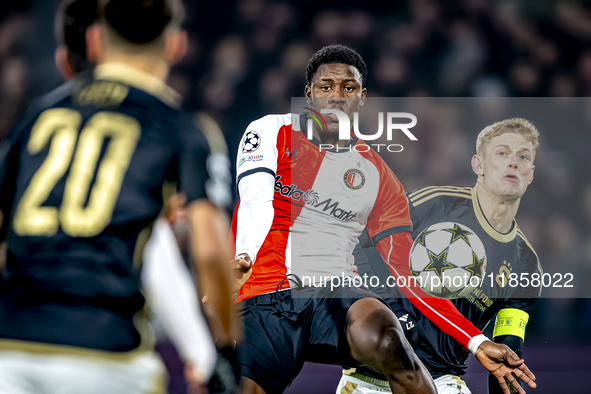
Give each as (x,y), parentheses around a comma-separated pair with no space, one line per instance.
(282,331)
(440,354)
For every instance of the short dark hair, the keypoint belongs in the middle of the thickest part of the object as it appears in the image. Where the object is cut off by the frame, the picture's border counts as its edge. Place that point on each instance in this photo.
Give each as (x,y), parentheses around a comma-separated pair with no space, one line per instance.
(74,18)
(336,54)
(140,21)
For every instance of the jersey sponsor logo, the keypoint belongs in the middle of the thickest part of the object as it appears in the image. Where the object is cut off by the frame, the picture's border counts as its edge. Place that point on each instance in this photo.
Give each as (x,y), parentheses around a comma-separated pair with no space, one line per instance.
(248,158)
(252,141)
(292,191)
(354,179)
(310,197)
(335,211)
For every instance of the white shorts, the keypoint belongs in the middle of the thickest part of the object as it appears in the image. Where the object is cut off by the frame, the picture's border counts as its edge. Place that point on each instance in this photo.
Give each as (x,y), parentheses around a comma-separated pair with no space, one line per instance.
(360,384)
(451,384)
(31,373)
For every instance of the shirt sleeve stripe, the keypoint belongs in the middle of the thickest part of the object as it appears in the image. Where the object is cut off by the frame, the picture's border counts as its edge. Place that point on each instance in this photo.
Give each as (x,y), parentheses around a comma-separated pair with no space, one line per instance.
(435,313)
(394,230)
(254,171)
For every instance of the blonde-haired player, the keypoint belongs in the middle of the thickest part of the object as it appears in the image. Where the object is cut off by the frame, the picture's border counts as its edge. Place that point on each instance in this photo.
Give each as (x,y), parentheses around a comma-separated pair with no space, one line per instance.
(503,162)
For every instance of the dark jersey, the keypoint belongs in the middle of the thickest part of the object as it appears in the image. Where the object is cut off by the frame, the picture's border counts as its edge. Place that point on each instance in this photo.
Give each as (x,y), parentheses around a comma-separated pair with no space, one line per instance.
(81,175)
(507,254)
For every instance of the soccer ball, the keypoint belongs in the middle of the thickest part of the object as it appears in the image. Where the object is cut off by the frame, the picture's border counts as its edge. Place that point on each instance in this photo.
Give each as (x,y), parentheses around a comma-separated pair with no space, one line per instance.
(448,260)
(251,142)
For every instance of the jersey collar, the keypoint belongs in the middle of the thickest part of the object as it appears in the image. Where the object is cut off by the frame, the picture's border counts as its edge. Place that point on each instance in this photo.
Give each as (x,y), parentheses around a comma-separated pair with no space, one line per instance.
(137,79)
(498,236)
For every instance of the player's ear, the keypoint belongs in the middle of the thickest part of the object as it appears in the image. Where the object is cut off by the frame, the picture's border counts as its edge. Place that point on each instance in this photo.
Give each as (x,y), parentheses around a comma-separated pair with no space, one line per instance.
(531,176)
(94,44)
(477,165)
(176,46)
(308,94)
(62,63)
(363,96)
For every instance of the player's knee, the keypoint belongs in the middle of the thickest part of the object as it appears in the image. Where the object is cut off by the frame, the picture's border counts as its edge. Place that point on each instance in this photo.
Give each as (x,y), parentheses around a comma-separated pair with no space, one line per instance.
(400,365)
(378,340)
(393,351)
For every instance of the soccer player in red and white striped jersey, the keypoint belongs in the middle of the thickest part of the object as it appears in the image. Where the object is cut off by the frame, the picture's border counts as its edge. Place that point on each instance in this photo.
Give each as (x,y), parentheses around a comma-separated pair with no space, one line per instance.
(301,211)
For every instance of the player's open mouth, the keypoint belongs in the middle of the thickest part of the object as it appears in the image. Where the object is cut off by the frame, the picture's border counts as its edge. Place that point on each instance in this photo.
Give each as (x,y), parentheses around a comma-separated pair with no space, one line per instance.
(511,177)
(333,117)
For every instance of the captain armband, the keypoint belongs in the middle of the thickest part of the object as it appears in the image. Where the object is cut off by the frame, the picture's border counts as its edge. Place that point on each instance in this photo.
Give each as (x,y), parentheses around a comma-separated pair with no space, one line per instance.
(511,321)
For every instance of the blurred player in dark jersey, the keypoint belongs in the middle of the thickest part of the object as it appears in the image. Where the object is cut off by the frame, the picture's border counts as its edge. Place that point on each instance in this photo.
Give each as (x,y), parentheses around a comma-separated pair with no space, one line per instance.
(81,175)
(165,277)
(504,165)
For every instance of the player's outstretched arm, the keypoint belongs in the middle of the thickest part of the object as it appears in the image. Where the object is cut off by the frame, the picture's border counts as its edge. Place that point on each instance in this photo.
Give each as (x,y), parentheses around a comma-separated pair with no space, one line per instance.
(496,358)
(209,231)
(395,250)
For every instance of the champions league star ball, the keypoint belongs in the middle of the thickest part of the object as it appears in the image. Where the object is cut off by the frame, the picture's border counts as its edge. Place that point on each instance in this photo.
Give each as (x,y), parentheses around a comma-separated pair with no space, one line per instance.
(252,142)
(448,260)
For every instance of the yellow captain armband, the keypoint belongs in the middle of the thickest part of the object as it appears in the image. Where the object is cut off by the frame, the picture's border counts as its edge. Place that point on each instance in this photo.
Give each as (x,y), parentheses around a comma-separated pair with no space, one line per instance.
(511,321)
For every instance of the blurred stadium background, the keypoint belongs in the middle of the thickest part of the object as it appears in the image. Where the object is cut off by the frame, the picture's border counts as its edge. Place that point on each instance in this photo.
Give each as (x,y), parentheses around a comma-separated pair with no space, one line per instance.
(247,58)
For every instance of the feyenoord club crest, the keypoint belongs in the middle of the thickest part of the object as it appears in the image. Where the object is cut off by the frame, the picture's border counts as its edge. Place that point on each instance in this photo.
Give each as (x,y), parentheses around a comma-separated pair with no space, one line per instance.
(354,179)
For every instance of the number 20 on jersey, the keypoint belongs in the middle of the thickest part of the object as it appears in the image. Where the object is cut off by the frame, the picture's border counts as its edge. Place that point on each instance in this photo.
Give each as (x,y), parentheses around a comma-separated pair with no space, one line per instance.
(58,128)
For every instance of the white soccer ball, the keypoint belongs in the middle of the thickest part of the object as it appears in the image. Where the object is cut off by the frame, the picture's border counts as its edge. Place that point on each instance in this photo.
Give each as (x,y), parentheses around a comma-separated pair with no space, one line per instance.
(448,260)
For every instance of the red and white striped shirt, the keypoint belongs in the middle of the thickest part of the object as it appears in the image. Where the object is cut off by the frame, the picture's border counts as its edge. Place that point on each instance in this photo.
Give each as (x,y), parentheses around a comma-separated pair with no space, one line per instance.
(302,209)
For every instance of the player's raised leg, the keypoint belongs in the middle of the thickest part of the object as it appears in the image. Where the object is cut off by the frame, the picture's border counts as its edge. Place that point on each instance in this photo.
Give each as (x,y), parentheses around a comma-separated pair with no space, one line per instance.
(376,339)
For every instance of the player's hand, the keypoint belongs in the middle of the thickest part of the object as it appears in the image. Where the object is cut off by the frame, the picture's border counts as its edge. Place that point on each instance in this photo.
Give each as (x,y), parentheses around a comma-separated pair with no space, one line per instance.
(242,267)
(503,363)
